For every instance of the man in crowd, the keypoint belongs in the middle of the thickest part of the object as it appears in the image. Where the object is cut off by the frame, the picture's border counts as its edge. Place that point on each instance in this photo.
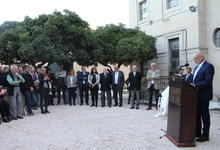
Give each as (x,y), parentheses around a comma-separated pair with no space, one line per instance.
(61,86)
(153,84)
(53,84)
(28,89)
(82,79)
(202,79)
(4,107)
(118,81)
(14,80)
(3,76)
(134,79)
(188,76)
(34,94)
(106,81)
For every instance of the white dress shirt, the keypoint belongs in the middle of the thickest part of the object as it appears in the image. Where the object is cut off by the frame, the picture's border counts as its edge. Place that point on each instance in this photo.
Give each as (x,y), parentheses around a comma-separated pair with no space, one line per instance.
(197,70)
(134,73)
(116,77)
(152,81)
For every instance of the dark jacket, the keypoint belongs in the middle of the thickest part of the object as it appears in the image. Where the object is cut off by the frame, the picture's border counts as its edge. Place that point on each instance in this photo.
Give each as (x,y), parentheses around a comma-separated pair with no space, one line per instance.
(80,79)
(135,81)
(189,79)
(203,81)
(121,79)
(28,82)
(105,81)
(3,79)
(41,80)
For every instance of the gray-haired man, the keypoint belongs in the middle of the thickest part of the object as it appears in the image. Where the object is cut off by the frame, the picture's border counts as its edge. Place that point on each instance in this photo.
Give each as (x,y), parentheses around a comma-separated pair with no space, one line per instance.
(14,80)
(153,84)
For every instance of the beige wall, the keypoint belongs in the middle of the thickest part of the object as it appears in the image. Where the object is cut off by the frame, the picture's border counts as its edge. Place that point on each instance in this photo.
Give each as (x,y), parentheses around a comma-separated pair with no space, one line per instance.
(167,24)
(212,22)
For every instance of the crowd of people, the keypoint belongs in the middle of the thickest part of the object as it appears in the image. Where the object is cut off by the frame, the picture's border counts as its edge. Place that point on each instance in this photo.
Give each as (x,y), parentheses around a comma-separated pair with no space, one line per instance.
(24,89)
(29,88)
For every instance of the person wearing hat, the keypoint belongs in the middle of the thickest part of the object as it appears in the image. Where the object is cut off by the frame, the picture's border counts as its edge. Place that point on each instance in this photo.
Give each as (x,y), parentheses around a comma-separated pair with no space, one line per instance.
(188,76)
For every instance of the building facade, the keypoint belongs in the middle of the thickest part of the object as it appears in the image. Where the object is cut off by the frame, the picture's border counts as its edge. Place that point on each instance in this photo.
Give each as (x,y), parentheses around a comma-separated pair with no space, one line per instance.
(182,28)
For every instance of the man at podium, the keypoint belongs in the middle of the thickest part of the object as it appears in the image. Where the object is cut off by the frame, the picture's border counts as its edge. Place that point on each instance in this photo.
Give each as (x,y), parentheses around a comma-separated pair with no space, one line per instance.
(202,80)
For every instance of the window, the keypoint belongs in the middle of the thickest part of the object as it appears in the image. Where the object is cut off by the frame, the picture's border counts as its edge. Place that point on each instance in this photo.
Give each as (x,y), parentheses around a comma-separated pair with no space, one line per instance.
(172,3)
(217,37)
(174,54)
(143,10)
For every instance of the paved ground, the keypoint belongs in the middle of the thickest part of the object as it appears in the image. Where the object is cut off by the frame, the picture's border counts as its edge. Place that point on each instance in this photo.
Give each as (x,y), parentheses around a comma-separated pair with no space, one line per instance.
(86,128)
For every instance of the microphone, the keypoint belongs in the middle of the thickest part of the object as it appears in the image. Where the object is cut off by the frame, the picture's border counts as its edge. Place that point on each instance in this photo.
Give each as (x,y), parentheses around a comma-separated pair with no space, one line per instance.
(186,65)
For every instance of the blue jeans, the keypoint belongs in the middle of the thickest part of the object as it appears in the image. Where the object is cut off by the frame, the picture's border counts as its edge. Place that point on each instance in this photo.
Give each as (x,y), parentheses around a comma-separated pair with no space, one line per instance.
(29,101)
(16,103)
(33,98)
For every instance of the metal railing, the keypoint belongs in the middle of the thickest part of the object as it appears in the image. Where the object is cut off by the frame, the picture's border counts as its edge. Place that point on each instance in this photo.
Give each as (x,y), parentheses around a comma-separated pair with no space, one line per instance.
(163,83)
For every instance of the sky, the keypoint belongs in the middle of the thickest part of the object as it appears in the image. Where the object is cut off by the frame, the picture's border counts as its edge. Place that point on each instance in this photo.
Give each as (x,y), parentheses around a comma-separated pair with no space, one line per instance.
(95,12)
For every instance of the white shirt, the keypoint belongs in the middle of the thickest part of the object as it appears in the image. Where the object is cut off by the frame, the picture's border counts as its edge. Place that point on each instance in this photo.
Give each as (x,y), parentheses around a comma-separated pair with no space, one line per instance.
(134,73)
(197,70)
(152,81)
(116,77)
(84,73)
(187,76)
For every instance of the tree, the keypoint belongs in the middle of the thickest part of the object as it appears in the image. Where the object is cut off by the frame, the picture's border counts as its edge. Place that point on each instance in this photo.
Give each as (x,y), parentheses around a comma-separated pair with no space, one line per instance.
(9,44)
(57,37)
(117,44)
(135,45)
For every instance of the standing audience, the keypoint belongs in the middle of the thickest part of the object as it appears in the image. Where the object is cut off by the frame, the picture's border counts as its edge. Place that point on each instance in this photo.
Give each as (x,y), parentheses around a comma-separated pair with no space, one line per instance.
(71,81)
(105,82)
(118,81)
(61,86)
(94,79)
(153,84)
(83,84)
(4,106)
(14,80)
(44,91)
(28,89)
(134,79)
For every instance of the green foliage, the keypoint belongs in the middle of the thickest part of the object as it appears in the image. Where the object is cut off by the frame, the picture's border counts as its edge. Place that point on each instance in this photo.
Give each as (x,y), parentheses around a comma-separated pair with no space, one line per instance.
(58,37)
(63,37)
(118,45)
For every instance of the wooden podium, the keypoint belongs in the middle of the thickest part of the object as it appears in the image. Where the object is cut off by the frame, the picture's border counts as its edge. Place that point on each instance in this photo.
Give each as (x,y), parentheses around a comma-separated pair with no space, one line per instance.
(181,124)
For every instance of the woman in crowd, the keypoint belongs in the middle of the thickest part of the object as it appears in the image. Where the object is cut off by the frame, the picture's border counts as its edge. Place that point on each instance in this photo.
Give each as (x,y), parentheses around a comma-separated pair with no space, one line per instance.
(45,86)
(71,81)
(93,80)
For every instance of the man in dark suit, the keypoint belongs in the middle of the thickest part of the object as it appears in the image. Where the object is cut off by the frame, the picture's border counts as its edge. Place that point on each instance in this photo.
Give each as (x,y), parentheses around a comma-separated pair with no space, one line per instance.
(202,79)
(135,86)
(118,81)
(82,79)
(28,88)
(106,81)
(188,76)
